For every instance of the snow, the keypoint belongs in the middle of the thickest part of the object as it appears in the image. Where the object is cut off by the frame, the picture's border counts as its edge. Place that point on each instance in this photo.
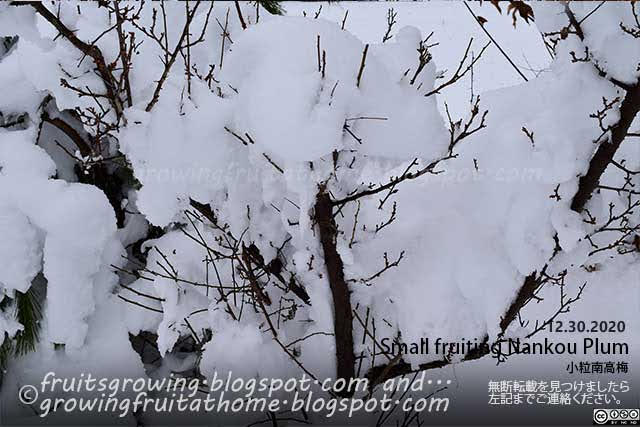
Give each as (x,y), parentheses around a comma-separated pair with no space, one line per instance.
(272,69)
(65,228)
(309,123)
(258,142)
(491,231)
(172,160)
(9,326)
(20,249)
(453,27)
(258,351)
(603,40)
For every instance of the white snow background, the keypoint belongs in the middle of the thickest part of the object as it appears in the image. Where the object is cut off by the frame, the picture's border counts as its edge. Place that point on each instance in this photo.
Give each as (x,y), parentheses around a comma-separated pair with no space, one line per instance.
(468,242)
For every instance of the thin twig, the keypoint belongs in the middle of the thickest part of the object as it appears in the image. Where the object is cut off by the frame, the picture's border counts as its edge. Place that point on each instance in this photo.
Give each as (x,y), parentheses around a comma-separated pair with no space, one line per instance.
(475,17)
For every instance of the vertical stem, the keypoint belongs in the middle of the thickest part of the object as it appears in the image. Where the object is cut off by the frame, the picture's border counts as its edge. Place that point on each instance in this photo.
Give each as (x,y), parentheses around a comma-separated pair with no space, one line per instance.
(364,58)
(240,17)
(343,314)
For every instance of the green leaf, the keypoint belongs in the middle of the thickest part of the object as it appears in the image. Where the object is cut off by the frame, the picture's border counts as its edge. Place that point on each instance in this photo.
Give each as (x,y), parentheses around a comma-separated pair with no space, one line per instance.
(28,313)
(272,6)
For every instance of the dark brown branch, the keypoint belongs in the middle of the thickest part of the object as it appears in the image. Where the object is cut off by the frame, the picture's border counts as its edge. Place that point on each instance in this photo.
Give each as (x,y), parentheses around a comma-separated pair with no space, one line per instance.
(124,54)
(146,307)
(619,190)
(313,334)
(71,133)
(225,35)
(244,24)
(274,164)
(318,51)
(588,183)
(391,21)
(142,294)
(604,155)
(172,58)
(424,57)
(91,51)
(246,259)
(565,304)
(262,298)
(456,134)
(344,20)
(387,266)
(343,315)
(392,182)
(459,72)
(530,285)
(378,374)
(364,58)
(495,42)
(573,21)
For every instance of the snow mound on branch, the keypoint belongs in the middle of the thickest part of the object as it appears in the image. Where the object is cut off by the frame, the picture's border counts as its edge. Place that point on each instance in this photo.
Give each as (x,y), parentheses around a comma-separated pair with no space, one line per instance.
(20,251)
(614,51)
(291,110)
(474,232)
(67,225)
(19,157)
(181,299)
(258,352)
(193,149)
(19,93)
(177,156)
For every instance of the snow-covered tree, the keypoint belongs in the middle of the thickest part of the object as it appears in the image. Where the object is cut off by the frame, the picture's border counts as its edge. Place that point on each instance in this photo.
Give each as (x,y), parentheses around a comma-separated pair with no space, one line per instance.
(263,194)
